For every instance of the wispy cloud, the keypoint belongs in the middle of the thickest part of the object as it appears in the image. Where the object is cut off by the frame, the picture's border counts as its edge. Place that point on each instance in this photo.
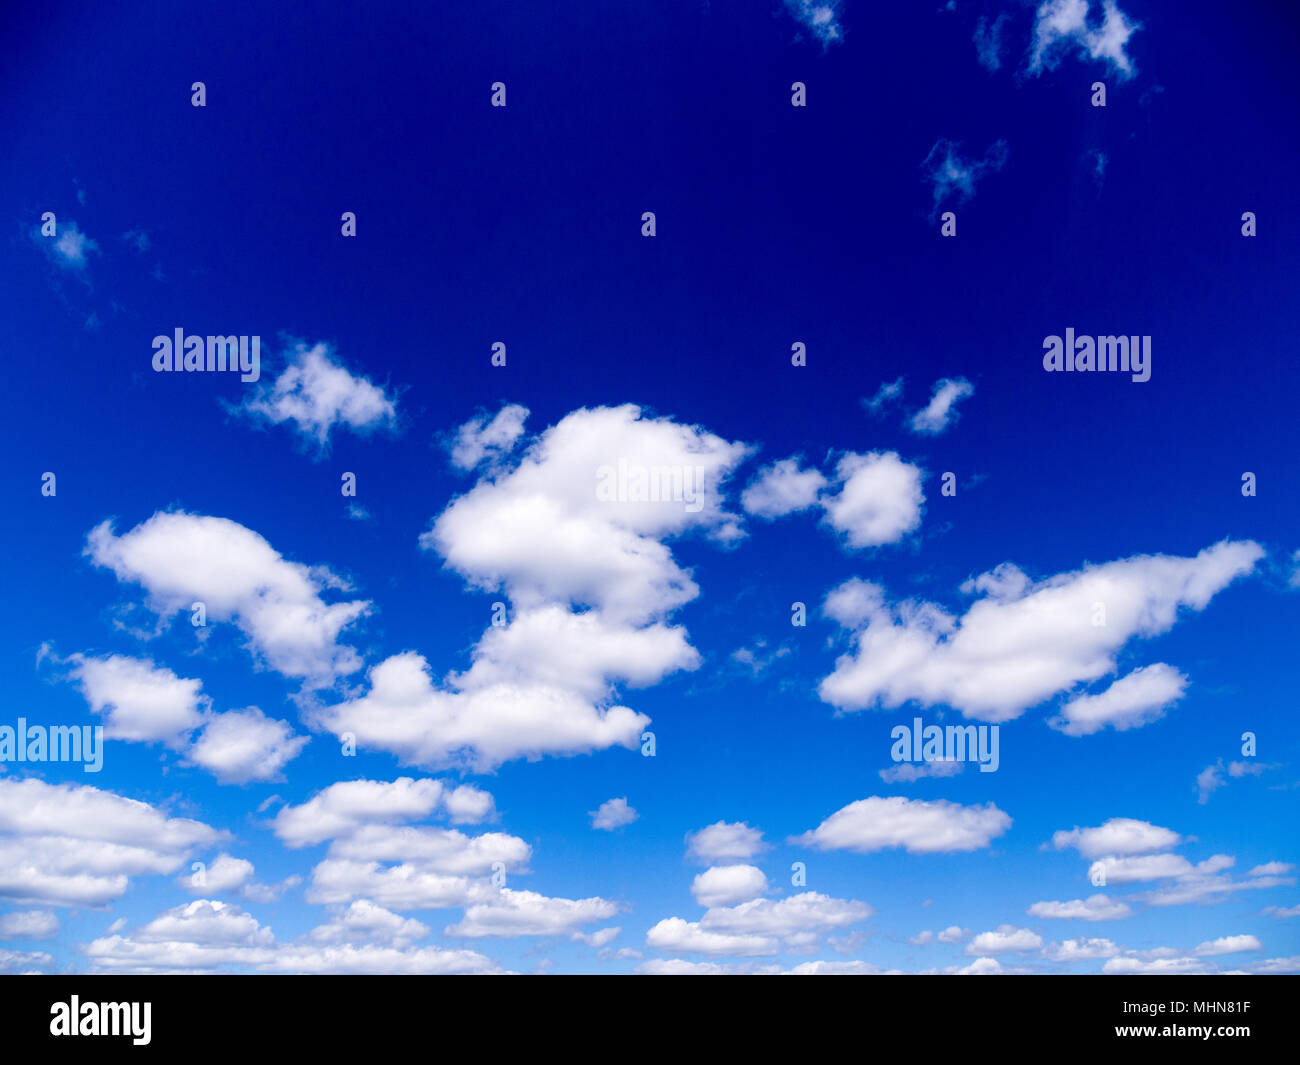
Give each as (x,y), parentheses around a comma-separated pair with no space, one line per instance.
(954,176)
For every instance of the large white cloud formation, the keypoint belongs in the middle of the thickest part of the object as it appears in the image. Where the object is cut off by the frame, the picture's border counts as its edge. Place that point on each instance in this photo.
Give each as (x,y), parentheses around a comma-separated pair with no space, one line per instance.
(1021,642)
(571,530)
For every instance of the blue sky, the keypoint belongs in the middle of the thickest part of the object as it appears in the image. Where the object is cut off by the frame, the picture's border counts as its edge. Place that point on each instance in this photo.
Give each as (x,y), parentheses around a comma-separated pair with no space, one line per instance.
(465,833)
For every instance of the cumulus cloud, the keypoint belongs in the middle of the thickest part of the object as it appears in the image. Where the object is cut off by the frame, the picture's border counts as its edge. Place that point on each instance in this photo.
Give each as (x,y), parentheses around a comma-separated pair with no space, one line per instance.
(941,412)
(364,921)
(782,488)
(1005,939)
(1134,700)
(526,913)
(140,702)
(219,877)
(211,936)
(542,531)
(346,806)
(673,935)
(879,499)
(80,846)
(145,703)
(317,393)
(612,814)
(241,746)
(915,825)
(1022,641)
(573,534)
(876,497)
(757,927)
(375,854)
(725,842)
(1118,836)
(725,885)
(1063,27)
(181,559)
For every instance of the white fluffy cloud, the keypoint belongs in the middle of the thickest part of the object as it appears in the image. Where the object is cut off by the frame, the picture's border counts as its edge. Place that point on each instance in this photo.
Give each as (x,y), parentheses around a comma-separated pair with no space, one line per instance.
(541,530)
(875,498)
(725,885)
(346,806)
(782,488)
(316,392)
(1134,700)
(182,558)
(375,855)
(1021,642)
(917,826)
(757,927)
(612,814)
(725,841)
(430,725)
(879,500)
(526,913)
(140,702)
(940,412)
(1118,836)
(80,846)
(211,936)
(145,703)
(1005,939)
(673,935)
(219,877)
(240,746)
(366,922)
